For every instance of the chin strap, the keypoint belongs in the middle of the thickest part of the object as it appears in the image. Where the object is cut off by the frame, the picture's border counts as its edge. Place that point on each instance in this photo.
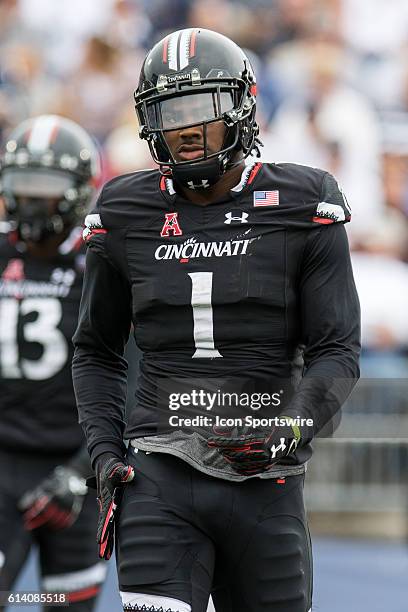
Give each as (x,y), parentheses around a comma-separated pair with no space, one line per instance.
(203,174)
(198,176)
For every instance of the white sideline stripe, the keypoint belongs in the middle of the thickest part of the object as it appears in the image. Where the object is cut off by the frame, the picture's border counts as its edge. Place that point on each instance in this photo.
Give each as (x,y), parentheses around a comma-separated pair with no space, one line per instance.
(41,133)
(74,581)
(157,601)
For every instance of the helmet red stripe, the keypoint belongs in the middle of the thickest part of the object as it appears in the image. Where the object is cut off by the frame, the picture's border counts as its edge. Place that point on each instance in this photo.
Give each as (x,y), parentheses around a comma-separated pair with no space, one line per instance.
(193,43)
(165,49)
(27,135)
(54,134)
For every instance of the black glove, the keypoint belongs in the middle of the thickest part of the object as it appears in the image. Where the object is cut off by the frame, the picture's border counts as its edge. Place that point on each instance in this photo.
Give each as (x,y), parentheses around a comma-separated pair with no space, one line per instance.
(112,474)
(56,502)
(251,452)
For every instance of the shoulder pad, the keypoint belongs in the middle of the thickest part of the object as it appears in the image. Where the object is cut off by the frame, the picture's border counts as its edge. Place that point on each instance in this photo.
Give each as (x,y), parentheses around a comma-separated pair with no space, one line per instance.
(130,199)
(306,197)
(333,206)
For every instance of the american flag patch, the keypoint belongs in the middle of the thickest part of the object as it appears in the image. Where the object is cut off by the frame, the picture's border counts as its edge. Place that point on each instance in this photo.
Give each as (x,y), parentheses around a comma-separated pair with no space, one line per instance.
(266,198)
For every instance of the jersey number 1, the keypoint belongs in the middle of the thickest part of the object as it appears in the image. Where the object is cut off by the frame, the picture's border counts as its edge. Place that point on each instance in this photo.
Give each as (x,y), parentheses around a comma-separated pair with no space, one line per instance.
(203,315)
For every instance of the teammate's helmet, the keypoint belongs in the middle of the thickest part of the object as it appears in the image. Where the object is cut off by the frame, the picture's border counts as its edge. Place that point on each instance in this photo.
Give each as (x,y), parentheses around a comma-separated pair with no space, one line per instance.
(197,77)
(48,174)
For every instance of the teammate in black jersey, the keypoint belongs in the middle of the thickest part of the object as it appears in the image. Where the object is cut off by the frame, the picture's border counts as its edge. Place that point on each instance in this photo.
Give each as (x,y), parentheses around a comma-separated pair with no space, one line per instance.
(47,179)
(228,269)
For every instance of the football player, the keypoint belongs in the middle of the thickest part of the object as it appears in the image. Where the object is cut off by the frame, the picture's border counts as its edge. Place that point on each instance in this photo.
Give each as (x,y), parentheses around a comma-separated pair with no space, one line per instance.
(48,175)
(227,268)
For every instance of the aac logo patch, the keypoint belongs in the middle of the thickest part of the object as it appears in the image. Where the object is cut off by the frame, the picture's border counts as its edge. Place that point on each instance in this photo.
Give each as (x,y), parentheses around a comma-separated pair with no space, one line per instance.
(14,270)
(171,224)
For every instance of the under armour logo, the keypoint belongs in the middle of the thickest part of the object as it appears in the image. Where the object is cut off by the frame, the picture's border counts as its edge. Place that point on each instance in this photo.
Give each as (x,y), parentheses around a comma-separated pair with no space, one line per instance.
(201,185)
(242,219)
(276,449)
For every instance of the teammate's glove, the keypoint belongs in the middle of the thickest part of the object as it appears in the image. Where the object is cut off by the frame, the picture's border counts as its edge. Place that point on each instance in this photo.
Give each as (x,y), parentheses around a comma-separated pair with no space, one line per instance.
(112,474)
(56,502)
(253,453)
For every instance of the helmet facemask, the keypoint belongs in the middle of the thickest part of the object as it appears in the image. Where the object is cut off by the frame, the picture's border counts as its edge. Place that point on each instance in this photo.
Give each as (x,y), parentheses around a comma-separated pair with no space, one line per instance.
(178,105)
(43,202)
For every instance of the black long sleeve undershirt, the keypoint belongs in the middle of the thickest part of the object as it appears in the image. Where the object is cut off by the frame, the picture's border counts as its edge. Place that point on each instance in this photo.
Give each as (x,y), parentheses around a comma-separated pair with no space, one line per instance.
(99,370)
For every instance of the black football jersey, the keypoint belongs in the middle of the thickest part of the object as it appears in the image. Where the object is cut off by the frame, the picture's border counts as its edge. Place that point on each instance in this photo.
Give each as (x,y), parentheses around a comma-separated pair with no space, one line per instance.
(39,302)
(224,292)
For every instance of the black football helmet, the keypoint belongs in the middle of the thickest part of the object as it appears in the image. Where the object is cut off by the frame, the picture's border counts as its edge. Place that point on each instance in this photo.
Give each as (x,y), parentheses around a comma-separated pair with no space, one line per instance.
(197,77)
(48,175)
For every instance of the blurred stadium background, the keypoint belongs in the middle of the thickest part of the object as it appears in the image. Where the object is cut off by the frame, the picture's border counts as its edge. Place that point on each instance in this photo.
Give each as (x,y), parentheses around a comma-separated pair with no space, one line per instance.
(333,93)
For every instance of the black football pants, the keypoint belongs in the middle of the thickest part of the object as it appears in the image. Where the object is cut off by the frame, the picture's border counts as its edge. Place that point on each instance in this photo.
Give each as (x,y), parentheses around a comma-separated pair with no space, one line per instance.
(183,534)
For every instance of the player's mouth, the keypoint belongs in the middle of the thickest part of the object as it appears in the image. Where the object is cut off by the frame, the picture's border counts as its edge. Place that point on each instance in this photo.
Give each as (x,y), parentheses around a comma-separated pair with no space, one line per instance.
(189,152)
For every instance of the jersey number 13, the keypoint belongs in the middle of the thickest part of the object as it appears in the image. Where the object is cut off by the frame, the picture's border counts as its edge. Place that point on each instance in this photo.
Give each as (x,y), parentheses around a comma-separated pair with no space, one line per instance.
(43,330)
